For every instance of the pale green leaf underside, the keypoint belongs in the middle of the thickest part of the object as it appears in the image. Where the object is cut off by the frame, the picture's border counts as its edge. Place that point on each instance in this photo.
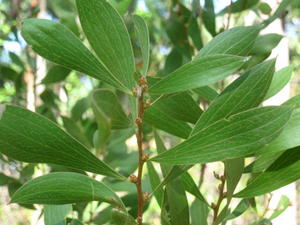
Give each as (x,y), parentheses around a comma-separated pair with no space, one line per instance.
(237,136)
(29,137)
(197,73)
(56,214)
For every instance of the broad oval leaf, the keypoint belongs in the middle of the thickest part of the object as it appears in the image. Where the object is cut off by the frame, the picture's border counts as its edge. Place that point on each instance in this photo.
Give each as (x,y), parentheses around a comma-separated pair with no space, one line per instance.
(29,137)
(142,33)
(235,41)
(65,188)
(244,93)
(58,44)
(107,34)
(285,170)
(238,136)
(197,73)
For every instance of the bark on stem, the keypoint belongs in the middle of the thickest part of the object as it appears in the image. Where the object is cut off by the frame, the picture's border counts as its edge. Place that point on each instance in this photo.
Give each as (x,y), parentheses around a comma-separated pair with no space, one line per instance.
(142,156)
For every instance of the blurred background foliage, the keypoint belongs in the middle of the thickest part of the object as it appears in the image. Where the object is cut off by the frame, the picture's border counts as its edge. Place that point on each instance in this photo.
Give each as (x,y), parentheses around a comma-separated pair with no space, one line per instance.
(178,29)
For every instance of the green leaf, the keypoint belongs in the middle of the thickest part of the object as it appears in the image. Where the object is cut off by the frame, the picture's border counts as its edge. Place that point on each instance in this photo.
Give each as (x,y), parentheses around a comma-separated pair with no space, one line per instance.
(294,101)
(80,107)
(65,188)
(265,8)
(173,61)
(208,17)
(206,92)
(280,79)
(191,187)
(177,203)
(200,72)
(239,210)
(4,180)
(155,181)
(159,119)
(239,6)
(246,92)
(235,41)
(199,213)
(283,203)
(195,32)
(233,172)
(56,74)
(283,5)
(289,137)
(108,35)
(180,106)
(29,137)
(264,44)
(76,131)
(285,170)
(107,102)
(262,162)
(237,136)
(142,32)
(119,217)
(56,214)
(58,44)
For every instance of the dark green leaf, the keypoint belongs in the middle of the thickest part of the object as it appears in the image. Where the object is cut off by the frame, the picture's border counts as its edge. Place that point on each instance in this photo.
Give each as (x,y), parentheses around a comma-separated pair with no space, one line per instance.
(107,102)
(195,32)
(206,92)
(239,210)
(237,136)
(199,213)
(80,107)
(65,188)
(235,41)
(180,106)
(56,214)
(262,162)
(4,180)
(283,5)
(191,187)
(233,172)
(289,137)
(159,119)
(56,43)
(107,34)
(119,217)
(285,170)
(155,181)
(244,93)
(142,32)
(200,72)
(56,74)
(174,60)
(208,16)
(239,6)
(280,79)
(29,137)
(177,203)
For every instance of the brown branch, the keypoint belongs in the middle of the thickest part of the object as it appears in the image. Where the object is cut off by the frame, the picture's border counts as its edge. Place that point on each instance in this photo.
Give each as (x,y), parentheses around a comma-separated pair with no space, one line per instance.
(142,156)
(222,195)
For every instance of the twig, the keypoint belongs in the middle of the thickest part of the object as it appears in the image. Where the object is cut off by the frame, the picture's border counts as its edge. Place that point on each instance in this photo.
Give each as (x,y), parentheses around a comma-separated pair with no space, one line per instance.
(142,156)
(222,195)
